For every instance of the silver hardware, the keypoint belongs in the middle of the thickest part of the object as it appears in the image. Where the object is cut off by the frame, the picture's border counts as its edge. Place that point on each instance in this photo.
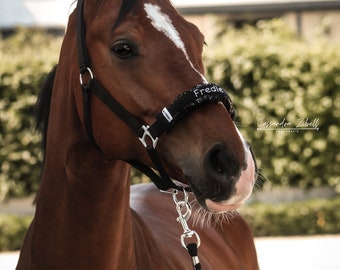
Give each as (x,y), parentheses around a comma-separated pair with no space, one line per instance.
(183,209)
(190,234)
(174,191)
(148,134)
(184,212)
(195,260)
(82,74)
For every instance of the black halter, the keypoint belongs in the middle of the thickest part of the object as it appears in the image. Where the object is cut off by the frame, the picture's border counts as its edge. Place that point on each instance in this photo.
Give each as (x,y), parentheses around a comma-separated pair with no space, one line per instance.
(165,120)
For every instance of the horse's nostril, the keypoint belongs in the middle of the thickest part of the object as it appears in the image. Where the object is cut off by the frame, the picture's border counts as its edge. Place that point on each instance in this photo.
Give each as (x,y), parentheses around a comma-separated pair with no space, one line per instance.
(221,164)
(216,161)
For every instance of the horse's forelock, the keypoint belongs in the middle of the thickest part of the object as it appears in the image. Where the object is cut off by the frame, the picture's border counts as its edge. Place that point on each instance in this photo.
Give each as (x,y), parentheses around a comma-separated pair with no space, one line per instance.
(125,8)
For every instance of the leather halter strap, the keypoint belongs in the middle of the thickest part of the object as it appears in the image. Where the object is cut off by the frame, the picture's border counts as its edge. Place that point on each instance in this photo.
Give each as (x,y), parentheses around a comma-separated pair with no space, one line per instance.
(165,120)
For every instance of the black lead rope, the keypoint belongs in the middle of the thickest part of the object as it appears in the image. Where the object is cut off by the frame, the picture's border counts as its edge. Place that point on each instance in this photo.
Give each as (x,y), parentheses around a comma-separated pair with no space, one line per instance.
(193,252)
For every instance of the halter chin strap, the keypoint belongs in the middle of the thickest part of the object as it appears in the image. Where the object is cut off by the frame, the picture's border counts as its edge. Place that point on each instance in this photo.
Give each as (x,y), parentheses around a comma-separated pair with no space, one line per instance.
(165,120)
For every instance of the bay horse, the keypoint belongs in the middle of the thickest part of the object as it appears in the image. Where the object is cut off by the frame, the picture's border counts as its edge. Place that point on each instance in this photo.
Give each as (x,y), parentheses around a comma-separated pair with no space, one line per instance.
(129,88)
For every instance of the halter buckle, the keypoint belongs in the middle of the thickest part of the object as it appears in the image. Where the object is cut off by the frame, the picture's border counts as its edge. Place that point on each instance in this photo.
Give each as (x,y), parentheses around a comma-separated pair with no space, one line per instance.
(147,134)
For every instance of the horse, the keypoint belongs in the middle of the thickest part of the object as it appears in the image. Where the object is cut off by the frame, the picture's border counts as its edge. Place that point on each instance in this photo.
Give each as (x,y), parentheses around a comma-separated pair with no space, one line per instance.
(129,89)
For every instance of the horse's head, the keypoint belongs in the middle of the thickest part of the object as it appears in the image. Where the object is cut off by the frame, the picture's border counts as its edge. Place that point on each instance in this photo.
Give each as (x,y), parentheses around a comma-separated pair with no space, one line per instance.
(146,55)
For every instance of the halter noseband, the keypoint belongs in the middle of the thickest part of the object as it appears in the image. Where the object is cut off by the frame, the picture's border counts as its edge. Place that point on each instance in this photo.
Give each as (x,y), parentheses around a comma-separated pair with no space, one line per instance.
(165,120)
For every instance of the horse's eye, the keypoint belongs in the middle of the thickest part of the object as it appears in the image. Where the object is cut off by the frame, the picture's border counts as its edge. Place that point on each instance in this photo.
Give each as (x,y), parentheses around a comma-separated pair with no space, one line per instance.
(124,49)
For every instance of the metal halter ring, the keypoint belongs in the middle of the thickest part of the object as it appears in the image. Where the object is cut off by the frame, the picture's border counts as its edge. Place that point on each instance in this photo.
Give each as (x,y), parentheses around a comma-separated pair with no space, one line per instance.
(147,134)
(190,234)
(87,70)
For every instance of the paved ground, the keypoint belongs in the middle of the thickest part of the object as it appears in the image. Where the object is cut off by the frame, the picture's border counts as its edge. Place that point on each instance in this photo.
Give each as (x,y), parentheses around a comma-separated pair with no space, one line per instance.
(299,253)
(283,253)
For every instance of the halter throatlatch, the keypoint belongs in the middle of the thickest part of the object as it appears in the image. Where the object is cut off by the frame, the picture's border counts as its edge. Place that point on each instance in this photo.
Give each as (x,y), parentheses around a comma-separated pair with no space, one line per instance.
(165,120)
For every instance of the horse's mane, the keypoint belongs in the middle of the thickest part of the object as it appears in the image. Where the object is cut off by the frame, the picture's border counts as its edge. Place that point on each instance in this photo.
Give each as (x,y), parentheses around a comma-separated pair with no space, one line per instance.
(42,109)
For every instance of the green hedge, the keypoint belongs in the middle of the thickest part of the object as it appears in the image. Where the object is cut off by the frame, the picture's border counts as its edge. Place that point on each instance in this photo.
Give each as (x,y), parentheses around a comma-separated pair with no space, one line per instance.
(269,73)
(319,216)
(26,58)
(276,78)
(12,231)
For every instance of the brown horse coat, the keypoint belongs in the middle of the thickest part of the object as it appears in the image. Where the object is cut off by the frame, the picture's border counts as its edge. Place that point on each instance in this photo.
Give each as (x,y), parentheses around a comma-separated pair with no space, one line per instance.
(224,246)
(85,216)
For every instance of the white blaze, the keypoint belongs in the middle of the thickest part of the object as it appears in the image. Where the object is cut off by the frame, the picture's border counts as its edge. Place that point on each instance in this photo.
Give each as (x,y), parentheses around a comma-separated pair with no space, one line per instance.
(163,23)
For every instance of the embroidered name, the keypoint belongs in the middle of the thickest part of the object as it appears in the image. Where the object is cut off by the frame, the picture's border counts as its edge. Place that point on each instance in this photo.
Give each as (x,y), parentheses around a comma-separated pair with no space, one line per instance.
(199,92)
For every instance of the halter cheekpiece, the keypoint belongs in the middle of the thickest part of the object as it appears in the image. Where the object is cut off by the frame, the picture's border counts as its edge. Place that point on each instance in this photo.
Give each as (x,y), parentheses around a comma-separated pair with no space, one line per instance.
(165,120)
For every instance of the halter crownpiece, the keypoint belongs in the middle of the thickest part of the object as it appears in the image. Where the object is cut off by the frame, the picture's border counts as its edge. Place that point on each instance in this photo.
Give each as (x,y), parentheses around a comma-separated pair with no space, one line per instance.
(165,120)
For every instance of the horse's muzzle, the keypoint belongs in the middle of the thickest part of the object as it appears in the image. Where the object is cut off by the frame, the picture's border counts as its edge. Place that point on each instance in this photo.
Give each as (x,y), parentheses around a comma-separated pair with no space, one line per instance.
(229,179)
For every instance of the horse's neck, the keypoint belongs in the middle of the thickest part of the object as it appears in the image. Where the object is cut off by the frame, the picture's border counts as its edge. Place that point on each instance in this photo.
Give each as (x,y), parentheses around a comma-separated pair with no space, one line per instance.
(83,218)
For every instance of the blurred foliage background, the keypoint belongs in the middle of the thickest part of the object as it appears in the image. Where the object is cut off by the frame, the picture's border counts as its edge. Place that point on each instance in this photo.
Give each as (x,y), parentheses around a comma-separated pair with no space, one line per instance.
(280,81)
(271,74)
(276,80)
(26,58)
